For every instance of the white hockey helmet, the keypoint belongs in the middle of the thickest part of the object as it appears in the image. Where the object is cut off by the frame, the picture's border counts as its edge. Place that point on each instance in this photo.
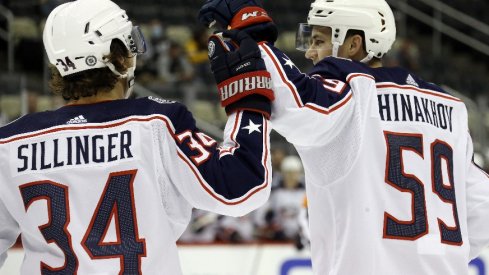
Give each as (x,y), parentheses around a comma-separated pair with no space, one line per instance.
(373,17)
(78,34)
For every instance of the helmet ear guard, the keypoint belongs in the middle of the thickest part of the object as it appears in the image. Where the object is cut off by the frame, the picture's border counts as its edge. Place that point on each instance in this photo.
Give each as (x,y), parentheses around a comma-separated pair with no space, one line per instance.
(373,17)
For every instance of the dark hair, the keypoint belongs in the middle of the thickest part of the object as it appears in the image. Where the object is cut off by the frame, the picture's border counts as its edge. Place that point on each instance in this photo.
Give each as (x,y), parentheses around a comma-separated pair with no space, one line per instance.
(90,82)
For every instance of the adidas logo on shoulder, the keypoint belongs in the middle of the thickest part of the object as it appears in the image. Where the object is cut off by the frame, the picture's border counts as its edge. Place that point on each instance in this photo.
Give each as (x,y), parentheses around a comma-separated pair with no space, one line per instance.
(410,80)
(77,120)
(161,101)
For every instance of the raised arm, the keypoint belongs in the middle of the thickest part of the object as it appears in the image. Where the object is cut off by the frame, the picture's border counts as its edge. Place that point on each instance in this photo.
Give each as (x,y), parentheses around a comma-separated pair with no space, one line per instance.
(234,178)
(231,179)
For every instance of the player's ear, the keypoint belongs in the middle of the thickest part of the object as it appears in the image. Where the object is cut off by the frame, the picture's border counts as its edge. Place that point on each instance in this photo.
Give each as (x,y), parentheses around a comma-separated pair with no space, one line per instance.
(355,46)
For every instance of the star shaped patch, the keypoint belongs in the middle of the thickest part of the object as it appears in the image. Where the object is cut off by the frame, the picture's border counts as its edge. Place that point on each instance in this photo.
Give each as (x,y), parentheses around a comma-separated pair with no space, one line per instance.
(252,127)
(288,62)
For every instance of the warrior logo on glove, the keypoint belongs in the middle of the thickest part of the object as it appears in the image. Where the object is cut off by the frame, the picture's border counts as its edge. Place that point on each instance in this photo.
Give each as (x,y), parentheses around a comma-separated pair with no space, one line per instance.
(244,85)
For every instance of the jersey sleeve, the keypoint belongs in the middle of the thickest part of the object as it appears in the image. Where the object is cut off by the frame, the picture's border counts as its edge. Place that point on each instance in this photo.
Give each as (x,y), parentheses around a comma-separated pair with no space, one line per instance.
(310,109)
(232,178)
(9,231)
(477,204)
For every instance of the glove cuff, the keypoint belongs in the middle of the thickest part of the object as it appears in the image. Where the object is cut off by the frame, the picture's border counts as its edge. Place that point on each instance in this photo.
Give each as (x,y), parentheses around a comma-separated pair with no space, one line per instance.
(249,16)
(253,103)
(240,86)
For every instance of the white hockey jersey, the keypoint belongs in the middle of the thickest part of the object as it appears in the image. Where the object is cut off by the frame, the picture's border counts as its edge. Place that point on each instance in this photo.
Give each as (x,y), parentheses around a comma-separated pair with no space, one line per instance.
(391,186)
(108,188)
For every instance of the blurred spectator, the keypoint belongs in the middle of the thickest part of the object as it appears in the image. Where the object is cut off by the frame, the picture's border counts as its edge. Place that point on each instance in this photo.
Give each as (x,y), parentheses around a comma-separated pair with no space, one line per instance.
(202,228)
(281,218)
(157,44)
(158,40)
(278,154)
(165,67)
(173,66)
(32,101)
(197,53)
(404,53)
(304,238)
(236,230)
(408,55)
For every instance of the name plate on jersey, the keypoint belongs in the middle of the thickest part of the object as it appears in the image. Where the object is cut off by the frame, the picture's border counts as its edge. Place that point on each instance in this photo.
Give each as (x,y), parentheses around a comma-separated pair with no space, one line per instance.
(69,149)
(404,107)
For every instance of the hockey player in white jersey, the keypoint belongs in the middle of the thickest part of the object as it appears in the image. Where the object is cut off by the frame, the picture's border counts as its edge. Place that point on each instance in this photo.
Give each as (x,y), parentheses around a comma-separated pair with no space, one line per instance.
(105,185)
(390,181)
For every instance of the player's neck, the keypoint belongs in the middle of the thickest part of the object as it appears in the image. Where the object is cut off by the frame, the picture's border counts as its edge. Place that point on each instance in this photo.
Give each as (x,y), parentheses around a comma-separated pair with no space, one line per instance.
(375,63)
(114,94)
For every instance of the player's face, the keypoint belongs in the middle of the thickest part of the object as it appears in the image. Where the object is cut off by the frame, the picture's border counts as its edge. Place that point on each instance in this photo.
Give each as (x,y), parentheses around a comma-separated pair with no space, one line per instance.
(321,46)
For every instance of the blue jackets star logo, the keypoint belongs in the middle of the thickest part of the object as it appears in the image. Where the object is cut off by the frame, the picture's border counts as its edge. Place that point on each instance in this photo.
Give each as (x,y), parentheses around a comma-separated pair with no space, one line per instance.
(252,127)
(288,62)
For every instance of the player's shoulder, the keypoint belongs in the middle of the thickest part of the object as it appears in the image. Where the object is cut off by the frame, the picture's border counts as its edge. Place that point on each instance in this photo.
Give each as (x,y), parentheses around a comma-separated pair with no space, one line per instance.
(340,68)
(108,112)
(156,105)
(397,76)
(169,108)
(28,123)
(176,113)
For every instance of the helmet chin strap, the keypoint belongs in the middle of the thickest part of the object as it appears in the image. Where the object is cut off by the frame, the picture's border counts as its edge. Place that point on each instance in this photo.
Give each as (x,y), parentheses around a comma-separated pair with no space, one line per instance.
(367,58)
(129,76)
(336,47)
(131,79)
